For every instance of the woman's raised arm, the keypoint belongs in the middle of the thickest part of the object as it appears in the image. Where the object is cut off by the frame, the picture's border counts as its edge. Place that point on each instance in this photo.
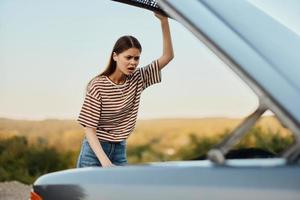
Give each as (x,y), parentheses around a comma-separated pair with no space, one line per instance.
(168,53)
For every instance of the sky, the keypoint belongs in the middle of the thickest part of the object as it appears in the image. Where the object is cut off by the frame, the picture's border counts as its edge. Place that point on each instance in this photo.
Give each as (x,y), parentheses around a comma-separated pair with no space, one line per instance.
(49,50)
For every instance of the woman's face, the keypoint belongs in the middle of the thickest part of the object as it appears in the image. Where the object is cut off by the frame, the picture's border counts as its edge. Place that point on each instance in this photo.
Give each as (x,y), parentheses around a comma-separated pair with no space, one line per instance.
(128,60)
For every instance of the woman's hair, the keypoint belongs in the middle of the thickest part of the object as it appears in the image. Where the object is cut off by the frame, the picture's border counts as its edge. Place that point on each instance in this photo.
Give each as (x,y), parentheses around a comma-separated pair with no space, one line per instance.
(122,44)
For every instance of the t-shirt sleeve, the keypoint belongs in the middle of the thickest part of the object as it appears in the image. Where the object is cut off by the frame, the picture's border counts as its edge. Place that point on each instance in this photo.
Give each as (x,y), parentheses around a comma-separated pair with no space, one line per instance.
(90,111)
(150,74)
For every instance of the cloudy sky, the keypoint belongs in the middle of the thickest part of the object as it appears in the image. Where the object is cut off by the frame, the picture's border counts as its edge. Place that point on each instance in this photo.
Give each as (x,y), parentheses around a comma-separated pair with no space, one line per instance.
(49,50)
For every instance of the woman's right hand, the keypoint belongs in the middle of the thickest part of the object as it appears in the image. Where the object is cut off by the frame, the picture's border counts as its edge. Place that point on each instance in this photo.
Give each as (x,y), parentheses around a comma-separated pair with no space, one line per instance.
(97,148)
(107,163)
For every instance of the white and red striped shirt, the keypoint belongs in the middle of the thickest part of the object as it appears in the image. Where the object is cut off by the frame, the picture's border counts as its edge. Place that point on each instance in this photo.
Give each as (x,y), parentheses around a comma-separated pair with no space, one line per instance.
(112,109)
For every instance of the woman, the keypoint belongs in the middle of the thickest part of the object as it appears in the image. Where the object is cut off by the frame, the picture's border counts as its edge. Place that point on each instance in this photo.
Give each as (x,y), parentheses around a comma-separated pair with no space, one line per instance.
(110,108)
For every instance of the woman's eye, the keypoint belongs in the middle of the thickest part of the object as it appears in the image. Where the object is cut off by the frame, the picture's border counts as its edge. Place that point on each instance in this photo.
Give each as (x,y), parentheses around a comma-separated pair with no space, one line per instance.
(135,58)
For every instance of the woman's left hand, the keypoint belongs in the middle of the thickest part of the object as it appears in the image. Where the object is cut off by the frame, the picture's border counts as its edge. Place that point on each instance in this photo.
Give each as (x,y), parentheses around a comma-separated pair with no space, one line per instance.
(160,17)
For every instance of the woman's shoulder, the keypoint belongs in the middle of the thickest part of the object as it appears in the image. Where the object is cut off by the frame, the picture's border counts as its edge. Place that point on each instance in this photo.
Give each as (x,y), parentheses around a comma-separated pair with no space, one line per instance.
(139,71)
(98,80)
(96,83)
(135,75)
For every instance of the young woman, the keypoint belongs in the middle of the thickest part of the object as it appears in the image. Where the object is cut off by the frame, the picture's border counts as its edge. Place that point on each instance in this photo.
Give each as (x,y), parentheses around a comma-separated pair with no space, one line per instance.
(110,107)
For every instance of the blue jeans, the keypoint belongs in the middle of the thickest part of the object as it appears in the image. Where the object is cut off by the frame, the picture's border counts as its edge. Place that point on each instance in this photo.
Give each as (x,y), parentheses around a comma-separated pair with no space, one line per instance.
(115,151)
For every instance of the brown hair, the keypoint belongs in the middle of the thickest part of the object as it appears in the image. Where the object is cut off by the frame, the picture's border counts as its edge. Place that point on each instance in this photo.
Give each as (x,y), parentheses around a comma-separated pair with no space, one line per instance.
(122,44)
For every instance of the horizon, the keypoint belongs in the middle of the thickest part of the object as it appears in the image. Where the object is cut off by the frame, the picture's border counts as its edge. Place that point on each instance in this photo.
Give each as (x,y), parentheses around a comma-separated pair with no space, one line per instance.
(142,119)
(60,46)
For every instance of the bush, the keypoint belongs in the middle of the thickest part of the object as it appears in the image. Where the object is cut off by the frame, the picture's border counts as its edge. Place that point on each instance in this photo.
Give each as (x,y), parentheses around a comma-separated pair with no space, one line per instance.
(256,140)
(19,161)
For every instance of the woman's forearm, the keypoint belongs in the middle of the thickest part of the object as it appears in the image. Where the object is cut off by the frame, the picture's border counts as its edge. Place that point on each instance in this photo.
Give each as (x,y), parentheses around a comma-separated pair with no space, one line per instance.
(168,53)
(96,146)
(167,41)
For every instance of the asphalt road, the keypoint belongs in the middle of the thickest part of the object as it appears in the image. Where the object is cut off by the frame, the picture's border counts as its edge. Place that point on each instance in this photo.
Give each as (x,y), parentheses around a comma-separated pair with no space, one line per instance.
(14,190)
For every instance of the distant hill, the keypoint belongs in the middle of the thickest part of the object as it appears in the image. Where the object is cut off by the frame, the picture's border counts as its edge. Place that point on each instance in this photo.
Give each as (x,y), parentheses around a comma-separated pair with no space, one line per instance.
(68,134)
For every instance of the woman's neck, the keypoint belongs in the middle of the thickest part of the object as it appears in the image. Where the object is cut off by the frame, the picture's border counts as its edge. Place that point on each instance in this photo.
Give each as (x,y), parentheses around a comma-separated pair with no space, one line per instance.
(117,77)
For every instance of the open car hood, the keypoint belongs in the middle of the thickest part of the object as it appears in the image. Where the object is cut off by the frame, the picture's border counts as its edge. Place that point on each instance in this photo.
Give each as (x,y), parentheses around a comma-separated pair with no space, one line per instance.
(262,51)
(259,49)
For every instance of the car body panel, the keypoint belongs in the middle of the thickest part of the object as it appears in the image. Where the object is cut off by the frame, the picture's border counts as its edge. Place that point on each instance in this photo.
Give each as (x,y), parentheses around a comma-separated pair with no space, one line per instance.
(173,180)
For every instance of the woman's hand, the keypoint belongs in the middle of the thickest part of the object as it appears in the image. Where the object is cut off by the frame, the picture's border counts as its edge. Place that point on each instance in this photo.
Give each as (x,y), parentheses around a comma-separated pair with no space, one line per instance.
(160,17)
(106,163)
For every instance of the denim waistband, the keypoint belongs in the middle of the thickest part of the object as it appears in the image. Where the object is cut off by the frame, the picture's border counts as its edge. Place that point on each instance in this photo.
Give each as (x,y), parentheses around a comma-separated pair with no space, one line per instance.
(109,142)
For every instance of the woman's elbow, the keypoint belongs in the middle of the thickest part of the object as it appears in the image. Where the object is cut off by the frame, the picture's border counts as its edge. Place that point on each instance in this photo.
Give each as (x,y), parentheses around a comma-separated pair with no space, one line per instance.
(89,130)
(170,57)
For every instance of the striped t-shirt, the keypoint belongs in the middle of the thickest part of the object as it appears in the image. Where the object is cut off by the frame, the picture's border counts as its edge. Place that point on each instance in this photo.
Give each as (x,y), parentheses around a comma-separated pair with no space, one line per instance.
(112,109)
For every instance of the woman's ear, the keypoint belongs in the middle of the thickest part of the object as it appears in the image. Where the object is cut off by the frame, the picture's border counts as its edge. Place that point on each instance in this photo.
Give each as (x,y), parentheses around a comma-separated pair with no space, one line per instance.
(115,56)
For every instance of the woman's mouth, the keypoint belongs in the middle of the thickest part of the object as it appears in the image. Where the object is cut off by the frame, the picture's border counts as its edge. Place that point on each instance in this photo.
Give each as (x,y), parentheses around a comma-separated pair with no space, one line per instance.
(131,69)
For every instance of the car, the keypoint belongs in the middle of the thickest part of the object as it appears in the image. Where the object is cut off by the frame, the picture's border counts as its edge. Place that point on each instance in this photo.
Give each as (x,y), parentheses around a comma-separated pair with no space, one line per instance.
(264,54)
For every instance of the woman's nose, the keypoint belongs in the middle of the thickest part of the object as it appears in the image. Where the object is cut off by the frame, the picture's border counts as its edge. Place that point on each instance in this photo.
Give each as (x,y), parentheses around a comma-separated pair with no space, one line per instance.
(133,62)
